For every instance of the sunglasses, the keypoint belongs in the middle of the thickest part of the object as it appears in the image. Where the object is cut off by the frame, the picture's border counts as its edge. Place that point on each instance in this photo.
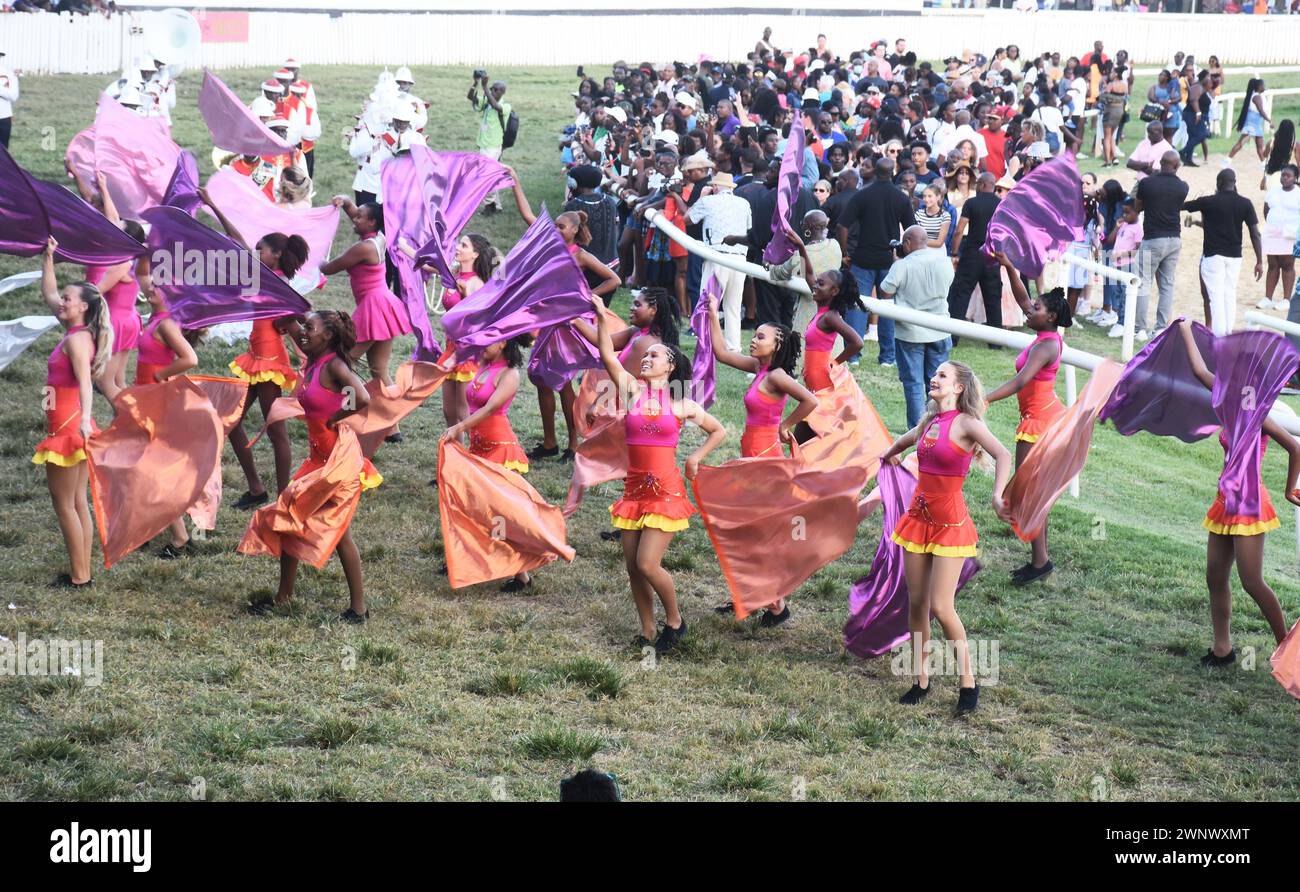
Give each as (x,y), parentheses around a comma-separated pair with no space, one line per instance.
(819,189)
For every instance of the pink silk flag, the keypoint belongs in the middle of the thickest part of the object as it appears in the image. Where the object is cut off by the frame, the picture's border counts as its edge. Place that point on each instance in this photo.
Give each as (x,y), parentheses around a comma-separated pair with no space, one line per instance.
(1285,662)
(135,154)
(494,524)
(152,463)
(774,522)
(254,216)
(1059,455)
(232,125)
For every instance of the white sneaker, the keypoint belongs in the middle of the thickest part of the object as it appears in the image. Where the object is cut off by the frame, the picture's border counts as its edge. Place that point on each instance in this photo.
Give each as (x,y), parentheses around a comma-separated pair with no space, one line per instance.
(1225,162)
(872,335)
(1110,318)
(1142,336)
(1283,306)
(1116,331)
(1119,153)
(1264,304)
(1084,308)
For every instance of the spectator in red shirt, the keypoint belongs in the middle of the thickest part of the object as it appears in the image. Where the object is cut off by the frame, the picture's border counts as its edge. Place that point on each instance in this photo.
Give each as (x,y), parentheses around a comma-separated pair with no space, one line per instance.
(1096,55)
(995,140)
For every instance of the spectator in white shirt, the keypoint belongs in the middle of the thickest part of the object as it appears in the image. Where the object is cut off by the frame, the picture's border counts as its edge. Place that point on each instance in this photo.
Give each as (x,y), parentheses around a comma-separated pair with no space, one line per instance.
(8,96)
(722,213)
(965,131)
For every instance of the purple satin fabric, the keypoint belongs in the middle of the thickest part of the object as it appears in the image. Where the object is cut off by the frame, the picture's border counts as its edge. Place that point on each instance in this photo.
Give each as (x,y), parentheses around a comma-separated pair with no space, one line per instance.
(780,248)
(410,192)
(196,305)
(704,370)
(1041,215)
(32,210)
(183,189)
(561,354)
(1158,392)
(542,286)
(232,125)
(878,601)
(458,183)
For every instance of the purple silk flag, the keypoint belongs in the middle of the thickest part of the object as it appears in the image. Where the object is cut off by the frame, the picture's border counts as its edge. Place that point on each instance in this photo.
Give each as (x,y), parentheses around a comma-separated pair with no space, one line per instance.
(135,154)
(780,248)
(561,354)
(542,286)
(411,192)
(1158,392)
(32,210)
(233,127)
(1042,214)
(459,181)
(704,370)
(207,278)
(878,601)
(183,189)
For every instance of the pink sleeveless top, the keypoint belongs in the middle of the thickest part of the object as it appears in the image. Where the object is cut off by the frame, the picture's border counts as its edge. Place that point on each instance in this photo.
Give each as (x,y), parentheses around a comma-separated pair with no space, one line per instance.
(656,428)
(366,279)
(815,339)
(627,348)
(58,369)
(762,410)
(937,454)
(121,297)
(452,296)
(317,402)
(153,351)
(1047,372)
(480,389)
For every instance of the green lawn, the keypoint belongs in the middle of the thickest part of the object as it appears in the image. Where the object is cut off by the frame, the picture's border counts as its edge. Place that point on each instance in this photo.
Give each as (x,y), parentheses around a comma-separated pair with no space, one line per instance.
(474,694)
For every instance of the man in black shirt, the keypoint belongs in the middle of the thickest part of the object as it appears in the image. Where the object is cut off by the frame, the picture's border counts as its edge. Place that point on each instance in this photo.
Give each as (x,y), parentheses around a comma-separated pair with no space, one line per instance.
(881,213)
(773,304)
(1222,216)
(1161,197)
(973,267)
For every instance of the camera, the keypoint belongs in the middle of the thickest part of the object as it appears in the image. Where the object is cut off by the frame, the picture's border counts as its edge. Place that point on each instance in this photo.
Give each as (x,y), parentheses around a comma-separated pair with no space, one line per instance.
(480,74)
(897,247)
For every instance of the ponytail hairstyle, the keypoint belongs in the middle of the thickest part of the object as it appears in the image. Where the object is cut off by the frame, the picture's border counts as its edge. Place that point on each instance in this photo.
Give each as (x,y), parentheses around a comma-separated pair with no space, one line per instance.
(1283,145)
(848,297)
(134,229)
(513,351)
(1055,303)
(343,334)
(488,259)
(969,402)
(788,347)
(98,324)
(293,251)
(579,218)
(666,323)
(1253,86)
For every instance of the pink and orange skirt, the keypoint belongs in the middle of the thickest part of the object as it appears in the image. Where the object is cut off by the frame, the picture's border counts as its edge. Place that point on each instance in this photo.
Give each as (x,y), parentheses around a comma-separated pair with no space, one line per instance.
(462,372)
(266,359)
(1039,407)
(757,441)
(1220,522)
(494,439)
(63,444)
(817,370)
(654,494)
(321,439)
(937,521)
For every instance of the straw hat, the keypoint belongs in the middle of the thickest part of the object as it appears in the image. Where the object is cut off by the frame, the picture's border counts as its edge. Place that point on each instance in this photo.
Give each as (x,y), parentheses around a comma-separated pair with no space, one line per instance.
(722,181)
(699,161)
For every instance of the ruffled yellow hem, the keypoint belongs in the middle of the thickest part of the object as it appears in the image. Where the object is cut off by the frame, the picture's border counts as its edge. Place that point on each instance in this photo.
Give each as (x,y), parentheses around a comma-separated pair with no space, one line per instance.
(1241,529)
(521,467)
(283,382)
(1027,438)
(49,456)
(370,481)
(653,521)
(462,377)
(936,549)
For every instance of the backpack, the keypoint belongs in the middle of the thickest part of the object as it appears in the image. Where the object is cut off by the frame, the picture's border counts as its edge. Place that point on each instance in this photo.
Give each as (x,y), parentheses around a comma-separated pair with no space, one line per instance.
(509,129)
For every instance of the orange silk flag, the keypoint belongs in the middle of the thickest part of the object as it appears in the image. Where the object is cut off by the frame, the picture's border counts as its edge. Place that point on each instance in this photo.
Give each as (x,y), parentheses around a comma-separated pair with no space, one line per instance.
(774,522)
(1058,455)
(152,463)
(1286,662)
(850,429)
(313,512)
(494,524)
(601,457)
(227,396)
(413,384)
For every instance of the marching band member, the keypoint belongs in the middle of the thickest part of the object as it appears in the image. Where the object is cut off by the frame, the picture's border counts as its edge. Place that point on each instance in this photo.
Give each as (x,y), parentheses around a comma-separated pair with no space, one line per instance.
(139,74)
(274,92)
(305,121)
(419,109)
(164,86)
(308,91)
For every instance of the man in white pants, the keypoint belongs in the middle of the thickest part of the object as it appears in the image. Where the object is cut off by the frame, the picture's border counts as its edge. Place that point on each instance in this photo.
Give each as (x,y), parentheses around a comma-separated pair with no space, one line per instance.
(1222,216)
(722,213)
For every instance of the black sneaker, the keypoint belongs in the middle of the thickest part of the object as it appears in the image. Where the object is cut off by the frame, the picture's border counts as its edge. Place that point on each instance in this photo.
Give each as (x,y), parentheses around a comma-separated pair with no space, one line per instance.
(394,437)
(914,695)
(1210,660)
(64,580)
(968,699)
(170,552)
(770,620)
(1033,574)
(640,642)
(728,609)
(442,569)
(351,616)
(566,455)
(262,606)
(1021,571)
(433,481)
(669,638)
(514,585)
(539,451)
(248,501)
(611,535)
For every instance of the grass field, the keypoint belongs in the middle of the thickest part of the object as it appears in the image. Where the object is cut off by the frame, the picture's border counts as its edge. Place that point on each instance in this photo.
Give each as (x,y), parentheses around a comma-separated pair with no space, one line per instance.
(477,695)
